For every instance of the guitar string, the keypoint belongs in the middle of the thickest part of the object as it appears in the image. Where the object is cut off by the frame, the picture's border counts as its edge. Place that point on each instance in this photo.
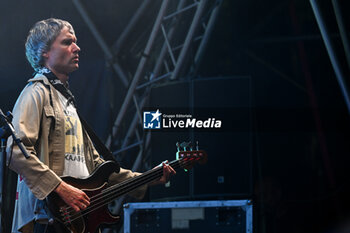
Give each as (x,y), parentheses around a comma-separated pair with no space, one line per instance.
(95,206)
(139,179)
(129,181)
(123,191)
(129,185)
(124,183)
(140,182)
(78,215)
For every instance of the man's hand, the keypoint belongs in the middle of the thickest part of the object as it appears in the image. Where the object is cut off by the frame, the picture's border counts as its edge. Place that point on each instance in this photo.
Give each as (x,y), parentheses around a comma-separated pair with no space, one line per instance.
(167,172)
(72,196)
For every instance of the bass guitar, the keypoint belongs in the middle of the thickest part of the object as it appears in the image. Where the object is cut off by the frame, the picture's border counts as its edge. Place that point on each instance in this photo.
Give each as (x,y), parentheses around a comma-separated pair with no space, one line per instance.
(66,219)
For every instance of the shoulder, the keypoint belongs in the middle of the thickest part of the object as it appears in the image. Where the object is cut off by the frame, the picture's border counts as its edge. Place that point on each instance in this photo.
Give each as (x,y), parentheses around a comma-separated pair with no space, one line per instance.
(35,92)
(38,82)
(38,85)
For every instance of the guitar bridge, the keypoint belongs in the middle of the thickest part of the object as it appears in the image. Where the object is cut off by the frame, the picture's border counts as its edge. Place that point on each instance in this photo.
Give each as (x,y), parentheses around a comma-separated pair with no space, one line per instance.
(65,216)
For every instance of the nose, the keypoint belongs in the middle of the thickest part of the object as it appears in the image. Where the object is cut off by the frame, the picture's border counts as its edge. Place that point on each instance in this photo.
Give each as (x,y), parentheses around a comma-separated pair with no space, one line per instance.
(76,48)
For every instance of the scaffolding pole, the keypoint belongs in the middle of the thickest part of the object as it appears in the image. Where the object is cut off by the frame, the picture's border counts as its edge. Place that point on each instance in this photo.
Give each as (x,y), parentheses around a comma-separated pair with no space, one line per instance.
(342,30)
(136,17)
(331,53)
(139,71)
(164,48)
(188,40)
(101,42)
(161,57)
(132,127)
(206,37)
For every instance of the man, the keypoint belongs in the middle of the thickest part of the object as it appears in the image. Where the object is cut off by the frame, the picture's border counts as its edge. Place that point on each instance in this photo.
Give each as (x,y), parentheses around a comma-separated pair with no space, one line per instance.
(46,120)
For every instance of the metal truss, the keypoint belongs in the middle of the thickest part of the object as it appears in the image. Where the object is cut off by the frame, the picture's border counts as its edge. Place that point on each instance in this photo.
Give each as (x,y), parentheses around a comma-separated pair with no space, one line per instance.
(179,28)
(338,70)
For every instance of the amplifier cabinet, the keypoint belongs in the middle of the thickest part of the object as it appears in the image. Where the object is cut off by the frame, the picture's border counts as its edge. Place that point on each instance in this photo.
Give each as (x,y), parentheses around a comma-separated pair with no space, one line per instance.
(234,216)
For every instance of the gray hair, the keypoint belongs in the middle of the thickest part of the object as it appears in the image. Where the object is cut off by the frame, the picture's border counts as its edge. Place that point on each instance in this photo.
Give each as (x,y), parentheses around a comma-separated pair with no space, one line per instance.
(40,38)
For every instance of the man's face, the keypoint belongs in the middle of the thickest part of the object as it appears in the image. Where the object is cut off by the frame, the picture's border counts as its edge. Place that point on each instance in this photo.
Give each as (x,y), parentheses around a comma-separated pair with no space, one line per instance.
(63,58)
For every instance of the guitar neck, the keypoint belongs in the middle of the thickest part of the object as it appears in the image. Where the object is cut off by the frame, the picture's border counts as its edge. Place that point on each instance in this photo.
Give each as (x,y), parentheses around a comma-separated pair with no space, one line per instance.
(185,159)
(130,185)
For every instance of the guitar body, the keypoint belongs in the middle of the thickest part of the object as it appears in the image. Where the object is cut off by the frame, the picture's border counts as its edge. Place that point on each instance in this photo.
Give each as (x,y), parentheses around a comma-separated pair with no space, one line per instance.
(67,220)
(100,194)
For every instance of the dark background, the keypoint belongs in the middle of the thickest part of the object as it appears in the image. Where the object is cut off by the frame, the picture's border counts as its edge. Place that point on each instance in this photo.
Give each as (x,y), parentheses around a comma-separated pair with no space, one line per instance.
(297,156)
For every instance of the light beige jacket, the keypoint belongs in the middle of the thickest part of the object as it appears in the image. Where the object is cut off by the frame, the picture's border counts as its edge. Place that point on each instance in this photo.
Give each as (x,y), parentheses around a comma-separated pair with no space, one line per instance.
(39,122)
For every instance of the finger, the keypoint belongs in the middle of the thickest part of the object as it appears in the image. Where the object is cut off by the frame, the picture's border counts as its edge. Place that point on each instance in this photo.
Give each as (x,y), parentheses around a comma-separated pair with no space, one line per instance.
(80,201)
(81,197)
(166,174)
(79,206)
(168,170)
(172,170)
(165,163)
(86,199)
(75,207)
(166,166)
(83,206)
(84,202)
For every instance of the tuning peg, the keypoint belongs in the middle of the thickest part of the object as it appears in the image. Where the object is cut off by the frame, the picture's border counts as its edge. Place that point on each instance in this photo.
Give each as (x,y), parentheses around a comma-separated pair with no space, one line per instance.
(186,145)
(178,146)
(190,144)
(183,144)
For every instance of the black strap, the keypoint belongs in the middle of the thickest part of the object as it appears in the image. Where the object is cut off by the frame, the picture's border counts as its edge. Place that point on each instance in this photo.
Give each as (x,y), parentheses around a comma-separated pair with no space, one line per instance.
(99,145)
(59,86)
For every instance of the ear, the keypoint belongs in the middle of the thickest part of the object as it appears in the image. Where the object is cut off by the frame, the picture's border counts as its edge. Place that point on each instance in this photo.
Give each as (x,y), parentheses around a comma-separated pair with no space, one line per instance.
(46,55)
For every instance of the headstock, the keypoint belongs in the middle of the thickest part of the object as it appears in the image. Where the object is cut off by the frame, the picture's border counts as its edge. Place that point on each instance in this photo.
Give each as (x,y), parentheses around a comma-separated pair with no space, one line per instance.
(189,156)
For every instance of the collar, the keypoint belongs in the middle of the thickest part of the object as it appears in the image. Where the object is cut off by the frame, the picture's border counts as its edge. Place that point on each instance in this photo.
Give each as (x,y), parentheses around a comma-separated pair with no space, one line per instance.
(48,78)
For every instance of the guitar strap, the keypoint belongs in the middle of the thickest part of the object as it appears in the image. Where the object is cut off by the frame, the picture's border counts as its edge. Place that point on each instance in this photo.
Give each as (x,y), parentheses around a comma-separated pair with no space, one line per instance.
(100,147)
(64,90)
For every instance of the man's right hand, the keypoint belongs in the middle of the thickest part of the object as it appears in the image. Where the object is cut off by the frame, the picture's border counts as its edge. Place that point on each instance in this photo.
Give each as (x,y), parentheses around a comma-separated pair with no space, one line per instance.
(72,196)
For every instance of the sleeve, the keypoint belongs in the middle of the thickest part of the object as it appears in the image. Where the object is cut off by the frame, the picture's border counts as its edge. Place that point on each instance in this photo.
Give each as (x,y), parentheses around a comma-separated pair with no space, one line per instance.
(27,114)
